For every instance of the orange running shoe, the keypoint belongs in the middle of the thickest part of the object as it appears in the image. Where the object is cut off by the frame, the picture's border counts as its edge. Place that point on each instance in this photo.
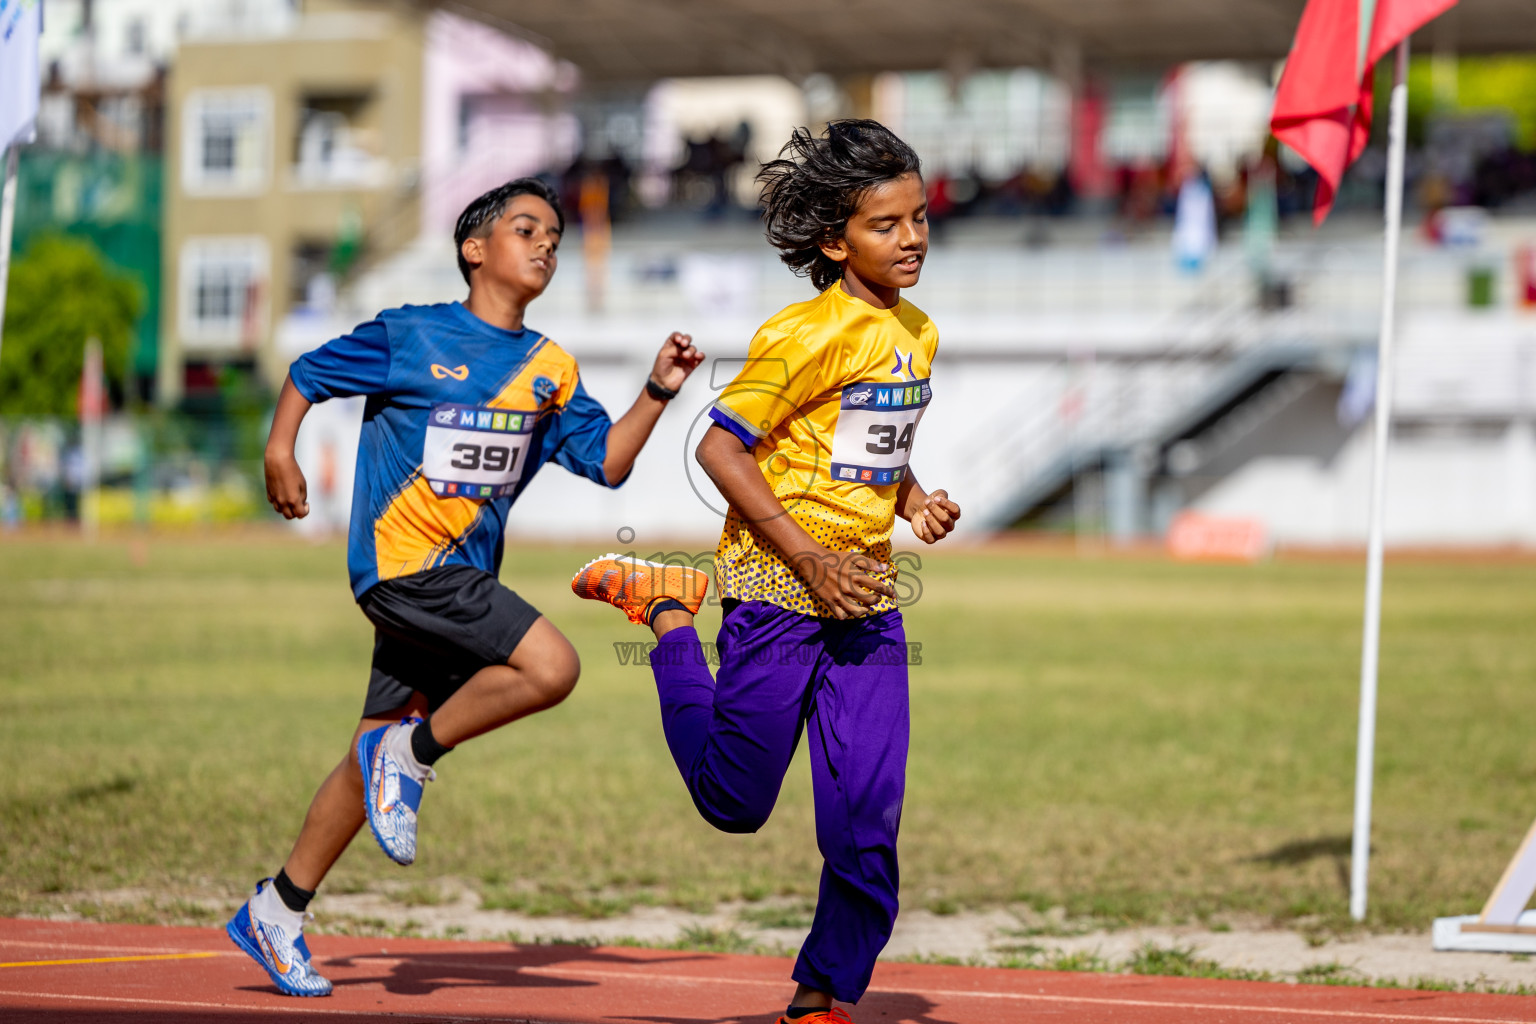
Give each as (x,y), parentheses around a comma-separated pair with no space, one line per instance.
(632,584)
(832,1016)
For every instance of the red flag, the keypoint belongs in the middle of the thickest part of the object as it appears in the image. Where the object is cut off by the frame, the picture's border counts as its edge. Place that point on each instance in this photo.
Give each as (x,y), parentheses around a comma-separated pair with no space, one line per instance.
(93,391)
(1323,105)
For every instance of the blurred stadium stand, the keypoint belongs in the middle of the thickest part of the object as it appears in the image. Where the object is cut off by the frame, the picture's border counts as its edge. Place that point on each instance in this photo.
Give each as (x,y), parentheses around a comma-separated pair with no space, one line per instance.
(1092,379)
(616,40)
(1091,387)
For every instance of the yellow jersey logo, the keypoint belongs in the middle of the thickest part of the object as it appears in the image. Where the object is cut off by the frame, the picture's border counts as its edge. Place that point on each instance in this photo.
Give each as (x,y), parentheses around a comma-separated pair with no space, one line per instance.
(457,373)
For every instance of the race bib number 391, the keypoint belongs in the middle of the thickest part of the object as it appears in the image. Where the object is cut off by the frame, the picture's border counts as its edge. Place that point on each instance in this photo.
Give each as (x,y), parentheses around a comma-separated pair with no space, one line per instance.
(875,427)
(473,452)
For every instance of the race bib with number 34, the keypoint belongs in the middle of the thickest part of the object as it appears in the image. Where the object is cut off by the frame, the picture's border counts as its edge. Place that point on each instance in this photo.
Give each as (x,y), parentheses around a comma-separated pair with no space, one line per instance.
(474,452)
(875,427)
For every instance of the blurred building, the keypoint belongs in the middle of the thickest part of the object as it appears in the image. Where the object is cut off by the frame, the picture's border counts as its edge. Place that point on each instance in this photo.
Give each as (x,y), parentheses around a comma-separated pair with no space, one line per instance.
(317,152)
(293,139)
(1138,382)
(494,108)
(95,169)
(315,144)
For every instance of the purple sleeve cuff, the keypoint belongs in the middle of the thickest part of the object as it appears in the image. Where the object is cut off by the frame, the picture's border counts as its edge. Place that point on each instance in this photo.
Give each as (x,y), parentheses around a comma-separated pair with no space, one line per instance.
(741,433)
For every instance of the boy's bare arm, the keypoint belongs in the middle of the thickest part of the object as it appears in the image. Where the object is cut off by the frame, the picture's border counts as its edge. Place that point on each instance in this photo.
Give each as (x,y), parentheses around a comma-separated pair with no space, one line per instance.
(932,515)
(841,581)
(677,359)
(286,489)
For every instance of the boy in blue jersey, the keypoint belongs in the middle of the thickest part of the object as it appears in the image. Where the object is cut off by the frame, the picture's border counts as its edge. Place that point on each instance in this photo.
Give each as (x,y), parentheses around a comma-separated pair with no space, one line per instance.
(465,404)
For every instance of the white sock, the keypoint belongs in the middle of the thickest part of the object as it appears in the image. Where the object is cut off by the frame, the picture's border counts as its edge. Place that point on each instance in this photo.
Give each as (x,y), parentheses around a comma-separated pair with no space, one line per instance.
(398,742)
(269,906)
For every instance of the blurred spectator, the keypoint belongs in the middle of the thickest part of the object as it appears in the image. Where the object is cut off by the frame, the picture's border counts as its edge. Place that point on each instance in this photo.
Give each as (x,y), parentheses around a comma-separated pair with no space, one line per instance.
(713,179)
(1194,222)
(1140,190)
(74,480)
(703,180)
(941,204)
(596,233)
(1503,176)
(621,181)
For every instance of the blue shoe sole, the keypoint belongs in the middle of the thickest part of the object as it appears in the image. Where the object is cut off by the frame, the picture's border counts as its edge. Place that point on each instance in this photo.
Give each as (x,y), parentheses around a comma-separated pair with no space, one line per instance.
(237,936)
(365,763)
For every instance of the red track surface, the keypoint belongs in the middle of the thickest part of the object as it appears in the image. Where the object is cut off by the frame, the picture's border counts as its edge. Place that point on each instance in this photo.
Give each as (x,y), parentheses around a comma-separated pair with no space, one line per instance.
(73,973)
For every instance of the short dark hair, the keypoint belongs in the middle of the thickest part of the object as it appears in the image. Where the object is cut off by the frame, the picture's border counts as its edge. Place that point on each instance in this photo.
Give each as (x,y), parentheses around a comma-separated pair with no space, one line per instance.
(480,215)
(815,185)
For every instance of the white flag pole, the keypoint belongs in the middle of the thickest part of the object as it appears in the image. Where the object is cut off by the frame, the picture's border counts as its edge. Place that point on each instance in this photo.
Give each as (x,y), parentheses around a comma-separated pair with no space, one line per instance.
(7,222)
(1360,856)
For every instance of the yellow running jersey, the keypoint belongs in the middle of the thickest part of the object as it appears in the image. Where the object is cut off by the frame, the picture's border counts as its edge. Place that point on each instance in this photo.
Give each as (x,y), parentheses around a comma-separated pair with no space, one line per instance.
(829,400)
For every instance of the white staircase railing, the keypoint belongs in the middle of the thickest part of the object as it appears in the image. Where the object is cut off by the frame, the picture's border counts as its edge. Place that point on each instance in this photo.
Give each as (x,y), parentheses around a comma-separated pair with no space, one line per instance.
(1110,404)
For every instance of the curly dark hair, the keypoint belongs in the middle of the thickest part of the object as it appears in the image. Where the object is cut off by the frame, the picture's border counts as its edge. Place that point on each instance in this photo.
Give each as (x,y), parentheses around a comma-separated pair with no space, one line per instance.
(480,215)
(815,185)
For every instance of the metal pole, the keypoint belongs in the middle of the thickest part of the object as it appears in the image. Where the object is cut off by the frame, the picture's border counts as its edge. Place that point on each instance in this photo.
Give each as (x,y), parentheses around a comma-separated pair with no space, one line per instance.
(1360,856)
(7,222)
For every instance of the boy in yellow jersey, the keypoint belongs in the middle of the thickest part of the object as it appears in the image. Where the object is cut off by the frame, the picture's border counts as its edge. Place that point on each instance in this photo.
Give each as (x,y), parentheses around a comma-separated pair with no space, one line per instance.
(811,452)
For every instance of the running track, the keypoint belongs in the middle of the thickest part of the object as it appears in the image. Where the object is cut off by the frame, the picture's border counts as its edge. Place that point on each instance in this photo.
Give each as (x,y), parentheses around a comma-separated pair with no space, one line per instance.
(60,973)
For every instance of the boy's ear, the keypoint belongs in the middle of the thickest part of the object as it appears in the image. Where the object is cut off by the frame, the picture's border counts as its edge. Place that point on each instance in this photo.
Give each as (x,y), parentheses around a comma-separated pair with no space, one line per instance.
(835,250)
(474,251)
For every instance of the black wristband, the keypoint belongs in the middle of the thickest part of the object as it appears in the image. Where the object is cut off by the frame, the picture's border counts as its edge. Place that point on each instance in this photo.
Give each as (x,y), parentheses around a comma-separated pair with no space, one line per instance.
(658,392)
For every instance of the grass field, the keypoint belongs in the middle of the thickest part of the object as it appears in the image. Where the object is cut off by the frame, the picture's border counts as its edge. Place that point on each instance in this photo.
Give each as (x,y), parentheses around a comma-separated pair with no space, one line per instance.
(1131,739)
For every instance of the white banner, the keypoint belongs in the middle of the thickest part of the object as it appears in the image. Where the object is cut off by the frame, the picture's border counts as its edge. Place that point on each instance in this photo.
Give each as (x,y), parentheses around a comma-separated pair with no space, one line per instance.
(875,424)
(21,23)
(474,452)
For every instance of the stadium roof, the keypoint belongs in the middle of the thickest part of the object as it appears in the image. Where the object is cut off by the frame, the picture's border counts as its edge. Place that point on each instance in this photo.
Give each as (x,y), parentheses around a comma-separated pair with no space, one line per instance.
(648,39)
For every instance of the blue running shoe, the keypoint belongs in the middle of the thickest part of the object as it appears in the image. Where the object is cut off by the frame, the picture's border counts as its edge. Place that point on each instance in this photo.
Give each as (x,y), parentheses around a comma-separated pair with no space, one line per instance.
(392,782)
(273,935)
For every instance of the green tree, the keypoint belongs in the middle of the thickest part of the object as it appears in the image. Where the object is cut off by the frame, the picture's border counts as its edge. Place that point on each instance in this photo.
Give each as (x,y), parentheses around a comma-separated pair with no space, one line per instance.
(1490,84)
(1501,83)
(61,292)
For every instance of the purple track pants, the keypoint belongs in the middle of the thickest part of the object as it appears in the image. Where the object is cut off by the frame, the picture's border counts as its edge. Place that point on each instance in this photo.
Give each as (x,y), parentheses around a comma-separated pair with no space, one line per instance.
(845,683)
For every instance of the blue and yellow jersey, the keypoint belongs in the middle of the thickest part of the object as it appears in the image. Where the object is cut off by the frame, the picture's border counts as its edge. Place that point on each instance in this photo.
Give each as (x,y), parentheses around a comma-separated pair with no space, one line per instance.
(828,400)
(460,416)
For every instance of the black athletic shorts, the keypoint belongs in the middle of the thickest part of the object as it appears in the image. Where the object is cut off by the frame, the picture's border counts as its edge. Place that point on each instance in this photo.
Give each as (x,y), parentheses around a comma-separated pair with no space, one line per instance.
(436,628)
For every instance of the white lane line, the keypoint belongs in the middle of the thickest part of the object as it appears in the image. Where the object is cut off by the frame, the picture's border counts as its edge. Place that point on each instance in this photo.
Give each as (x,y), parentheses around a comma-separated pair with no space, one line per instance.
(674,979)
(1043,998)
(276,1007)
